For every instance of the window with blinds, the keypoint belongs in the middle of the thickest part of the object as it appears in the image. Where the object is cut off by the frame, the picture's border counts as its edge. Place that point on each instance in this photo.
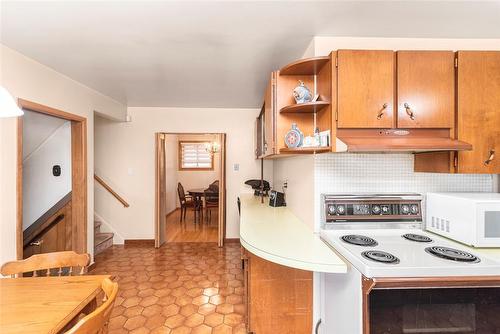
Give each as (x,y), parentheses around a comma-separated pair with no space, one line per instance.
(194,155)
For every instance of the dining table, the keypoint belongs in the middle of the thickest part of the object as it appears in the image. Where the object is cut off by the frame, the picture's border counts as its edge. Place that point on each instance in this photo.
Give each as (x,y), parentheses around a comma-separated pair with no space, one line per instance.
(45,304)
(197,194)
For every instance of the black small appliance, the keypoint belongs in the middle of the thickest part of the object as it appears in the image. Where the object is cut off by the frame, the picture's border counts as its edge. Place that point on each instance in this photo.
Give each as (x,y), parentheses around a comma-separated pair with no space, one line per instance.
(276,198)
(258,187)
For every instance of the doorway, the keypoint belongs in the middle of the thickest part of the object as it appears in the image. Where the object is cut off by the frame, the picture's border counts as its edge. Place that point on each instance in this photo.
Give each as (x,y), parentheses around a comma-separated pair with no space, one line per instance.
(60,223)
(190,188)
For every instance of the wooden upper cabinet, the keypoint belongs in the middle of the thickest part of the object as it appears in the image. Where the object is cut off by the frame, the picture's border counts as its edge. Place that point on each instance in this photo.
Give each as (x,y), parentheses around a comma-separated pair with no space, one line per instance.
(426,89)
(365,89)
(479,111)
(269,117)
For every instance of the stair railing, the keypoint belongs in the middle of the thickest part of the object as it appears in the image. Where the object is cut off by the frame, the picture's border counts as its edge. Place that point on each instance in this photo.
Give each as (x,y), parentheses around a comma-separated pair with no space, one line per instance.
(111,191)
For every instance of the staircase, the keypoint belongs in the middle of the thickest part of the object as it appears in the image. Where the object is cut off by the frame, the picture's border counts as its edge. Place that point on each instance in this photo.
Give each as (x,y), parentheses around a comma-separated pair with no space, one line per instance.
(102,240)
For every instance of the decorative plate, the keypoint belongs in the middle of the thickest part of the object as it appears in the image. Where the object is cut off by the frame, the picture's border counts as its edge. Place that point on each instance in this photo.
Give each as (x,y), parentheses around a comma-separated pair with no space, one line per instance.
(294,137)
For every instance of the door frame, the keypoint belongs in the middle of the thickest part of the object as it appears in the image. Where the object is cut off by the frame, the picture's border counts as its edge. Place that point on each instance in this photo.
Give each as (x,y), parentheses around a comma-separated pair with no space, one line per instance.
(221,224)
(78,175)
(160,174)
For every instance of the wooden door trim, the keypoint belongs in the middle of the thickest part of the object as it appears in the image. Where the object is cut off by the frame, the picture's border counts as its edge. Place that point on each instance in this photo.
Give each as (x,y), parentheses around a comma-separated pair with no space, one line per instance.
(222,192)
(43,109)
(221,233)
(79,174)
(159,137)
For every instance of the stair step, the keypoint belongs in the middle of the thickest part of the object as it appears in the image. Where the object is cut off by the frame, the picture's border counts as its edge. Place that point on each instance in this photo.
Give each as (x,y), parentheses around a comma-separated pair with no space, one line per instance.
(102,241)
(97,227)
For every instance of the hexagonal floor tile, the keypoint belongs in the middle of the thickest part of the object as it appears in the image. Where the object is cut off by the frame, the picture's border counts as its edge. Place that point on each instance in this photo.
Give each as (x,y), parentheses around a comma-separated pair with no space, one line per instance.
(214,319)
(178,288)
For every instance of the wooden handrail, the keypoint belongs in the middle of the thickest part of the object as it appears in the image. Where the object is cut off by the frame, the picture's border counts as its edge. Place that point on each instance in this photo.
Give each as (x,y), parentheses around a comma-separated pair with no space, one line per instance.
(111,191)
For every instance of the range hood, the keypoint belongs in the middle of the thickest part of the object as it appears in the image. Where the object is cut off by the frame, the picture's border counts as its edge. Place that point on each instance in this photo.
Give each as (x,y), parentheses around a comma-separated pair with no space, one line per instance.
(398,140)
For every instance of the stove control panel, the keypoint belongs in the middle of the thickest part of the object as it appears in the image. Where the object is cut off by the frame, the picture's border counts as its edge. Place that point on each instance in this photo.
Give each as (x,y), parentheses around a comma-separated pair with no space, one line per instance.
(351,208)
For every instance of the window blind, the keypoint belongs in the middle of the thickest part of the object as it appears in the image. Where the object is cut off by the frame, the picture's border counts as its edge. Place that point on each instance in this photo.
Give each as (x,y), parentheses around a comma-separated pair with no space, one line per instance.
(195,155)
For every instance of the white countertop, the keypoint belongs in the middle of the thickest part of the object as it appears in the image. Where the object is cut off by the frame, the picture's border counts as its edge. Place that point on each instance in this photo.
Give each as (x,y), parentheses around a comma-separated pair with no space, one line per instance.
(277,235)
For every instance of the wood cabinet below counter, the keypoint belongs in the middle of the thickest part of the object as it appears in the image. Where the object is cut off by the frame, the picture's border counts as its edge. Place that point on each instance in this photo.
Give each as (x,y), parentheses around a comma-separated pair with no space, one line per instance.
(278,298)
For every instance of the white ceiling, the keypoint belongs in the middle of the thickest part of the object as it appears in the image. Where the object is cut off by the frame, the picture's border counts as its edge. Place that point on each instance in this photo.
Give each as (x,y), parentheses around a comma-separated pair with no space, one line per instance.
(212,54)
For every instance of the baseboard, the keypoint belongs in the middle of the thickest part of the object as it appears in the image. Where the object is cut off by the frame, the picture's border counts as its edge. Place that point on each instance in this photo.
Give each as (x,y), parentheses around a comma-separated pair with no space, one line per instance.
(231,240)
(139,242)
(118,239)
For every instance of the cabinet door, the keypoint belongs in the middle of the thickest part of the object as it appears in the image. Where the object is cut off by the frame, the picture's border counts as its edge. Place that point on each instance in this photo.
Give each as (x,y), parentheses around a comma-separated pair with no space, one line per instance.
(479,111)
(269,116)
(426,89)
(280,298)
(365,89)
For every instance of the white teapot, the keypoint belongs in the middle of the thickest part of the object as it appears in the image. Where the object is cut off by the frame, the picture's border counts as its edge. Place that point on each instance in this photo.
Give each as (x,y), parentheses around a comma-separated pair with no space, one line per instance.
(301,93)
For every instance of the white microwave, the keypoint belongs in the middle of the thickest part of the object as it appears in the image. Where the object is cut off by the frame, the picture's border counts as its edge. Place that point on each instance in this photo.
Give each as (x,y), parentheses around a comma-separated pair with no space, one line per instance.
(469,218)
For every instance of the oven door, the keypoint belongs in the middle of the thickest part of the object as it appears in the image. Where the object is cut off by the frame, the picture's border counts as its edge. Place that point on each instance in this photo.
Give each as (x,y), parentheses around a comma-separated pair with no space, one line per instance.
(488,228)
(435,311)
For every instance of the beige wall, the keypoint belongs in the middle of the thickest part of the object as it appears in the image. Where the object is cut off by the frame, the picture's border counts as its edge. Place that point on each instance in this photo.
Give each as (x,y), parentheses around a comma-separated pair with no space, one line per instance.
(324,45)
(299,174)
(130,166)
(27,79)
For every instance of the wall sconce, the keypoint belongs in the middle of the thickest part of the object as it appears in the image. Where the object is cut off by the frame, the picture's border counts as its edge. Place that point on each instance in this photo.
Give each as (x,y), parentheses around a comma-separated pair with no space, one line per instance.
(8,107)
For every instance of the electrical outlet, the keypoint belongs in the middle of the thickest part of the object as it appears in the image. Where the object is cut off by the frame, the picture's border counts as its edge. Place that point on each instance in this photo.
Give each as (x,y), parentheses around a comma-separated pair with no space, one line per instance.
(285,184)
(236,167)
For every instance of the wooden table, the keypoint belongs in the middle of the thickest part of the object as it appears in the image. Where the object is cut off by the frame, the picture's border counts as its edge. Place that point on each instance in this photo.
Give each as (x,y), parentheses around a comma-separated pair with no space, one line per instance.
(44,304)
(197,195)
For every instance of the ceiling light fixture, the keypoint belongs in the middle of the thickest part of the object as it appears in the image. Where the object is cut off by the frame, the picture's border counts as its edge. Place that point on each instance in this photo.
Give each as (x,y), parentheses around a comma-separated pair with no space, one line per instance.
(213,147)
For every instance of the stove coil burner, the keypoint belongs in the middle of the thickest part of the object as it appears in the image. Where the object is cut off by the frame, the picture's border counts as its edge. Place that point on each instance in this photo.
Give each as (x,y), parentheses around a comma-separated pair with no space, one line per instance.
(452,254)
(380,256)
(417,237)
(359,240)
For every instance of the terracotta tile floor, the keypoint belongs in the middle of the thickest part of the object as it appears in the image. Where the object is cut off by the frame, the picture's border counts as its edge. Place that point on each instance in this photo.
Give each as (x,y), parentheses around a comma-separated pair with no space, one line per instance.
(192,288)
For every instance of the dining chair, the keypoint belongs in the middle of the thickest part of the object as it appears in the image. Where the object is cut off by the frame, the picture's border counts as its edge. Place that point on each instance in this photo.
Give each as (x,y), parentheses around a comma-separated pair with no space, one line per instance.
(211,200)
(97,321)
(47,264)
(214,186)
(186,201)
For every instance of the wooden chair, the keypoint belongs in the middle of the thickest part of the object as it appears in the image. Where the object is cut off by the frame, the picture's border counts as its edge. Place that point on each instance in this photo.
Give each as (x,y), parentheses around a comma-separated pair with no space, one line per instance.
(186,201)
(97,321)
(214,186)
(211,200)
(48,264)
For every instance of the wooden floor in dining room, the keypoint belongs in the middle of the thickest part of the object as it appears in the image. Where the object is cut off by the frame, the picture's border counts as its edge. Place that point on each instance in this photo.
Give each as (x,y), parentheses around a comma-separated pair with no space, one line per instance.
(188,230)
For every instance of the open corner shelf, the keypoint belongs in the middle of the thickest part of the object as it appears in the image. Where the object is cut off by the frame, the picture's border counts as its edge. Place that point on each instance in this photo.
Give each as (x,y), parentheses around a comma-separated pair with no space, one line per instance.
(305,150)
(308,107)
(309,66)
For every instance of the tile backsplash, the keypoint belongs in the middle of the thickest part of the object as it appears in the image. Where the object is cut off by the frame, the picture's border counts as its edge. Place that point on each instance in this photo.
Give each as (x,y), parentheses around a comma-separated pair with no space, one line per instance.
(355,172)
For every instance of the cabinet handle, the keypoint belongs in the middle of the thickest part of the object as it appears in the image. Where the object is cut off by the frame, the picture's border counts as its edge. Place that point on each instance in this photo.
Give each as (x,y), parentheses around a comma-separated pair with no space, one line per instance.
(409,112)
(37,243)
(490,158)
(381,112)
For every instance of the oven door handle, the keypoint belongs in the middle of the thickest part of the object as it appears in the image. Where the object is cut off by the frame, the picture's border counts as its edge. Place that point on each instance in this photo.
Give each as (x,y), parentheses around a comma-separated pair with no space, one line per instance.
(316,328)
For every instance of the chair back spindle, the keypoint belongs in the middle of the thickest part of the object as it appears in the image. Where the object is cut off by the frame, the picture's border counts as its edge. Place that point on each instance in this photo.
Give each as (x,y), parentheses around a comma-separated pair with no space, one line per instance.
(47,264)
